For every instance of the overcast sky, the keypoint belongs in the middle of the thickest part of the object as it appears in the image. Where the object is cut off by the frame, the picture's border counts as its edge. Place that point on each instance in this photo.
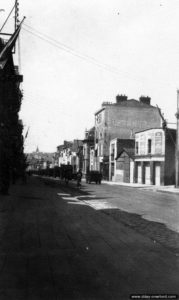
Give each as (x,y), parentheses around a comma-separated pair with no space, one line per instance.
(76,54)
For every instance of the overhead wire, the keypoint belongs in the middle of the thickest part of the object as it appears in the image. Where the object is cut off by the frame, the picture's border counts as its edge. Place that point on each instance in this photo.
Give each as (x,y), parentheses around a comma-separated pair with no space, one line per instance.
(7,18)
(79,55)
(70,49)
(73,52)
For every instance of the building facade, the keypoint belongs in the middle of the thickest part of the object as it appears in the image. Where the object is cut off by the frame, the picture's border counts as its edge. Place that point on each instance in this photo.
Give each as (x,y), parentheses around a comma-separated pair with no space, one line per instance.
(12,158)
(121,160)
(71,153)
(88,151)
(121,120)
(38,160)
(155,156)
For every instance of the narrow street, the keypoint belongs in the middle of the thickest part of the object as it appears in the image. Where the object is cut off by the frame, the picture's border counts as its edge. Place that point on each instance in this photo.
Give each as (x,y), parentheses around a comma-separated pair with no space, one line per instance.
(60,242)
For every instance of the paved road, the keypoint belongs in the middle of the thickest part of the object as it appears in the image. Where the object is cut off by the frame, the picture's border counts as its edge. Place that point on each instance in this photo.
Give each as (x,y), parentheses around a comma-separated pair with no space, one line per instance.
(154,214)
(151,205)
(55,245)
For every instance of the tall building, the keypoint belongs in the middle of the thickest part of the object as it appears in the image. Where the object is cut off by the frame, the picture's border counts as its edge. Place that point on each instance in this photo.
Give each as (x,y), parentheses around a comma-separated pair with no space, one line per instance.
(12,159)
(121,120)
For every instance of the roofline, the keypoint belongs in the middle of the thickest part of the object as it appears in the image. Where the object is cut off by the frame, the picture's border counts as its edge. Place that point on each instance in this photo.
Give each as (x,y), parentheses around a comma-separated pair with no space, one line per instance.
(149,129)
(116,139)
(155,128)
(123,150)
(99,110)
(116,104)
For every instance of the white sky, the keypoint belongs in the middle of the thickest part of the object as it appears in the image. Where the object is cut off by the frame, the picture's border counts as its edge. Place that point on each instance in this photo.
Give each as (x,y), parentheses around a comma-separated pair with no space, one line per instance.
(118,47)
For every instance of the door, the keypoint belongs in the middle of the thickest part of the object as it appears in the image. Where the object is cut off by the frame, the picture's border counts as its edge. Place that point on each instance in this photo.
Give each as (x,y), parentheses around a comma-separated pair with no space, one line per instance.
(131,172)
(139,173)
(157,173)
(147,173)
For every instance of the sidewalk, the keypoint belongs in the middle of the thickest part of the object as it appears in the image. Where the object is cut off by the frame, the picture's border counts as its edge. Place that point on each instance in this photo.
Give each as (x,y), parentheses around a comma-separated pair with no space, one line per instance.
(164,189)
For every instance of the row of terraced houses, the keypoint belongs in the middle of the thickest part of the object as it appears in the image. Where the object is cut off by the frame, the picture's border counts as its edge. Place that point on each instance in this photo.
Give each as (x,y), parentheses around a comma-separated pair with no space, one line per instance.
(129,142)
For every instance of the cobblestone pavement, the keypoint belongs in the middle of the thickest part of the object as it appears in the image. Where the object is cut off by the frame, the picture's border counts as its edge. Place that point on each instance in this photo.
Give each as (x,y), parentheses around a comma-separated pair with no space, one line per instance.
(158,232)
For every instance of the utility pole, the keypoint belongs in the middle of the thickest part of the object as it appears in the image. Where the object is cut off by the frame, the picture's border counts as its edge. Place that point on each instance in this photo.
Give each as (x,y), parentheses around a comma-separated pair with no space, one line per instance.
(17,22)
(177,143)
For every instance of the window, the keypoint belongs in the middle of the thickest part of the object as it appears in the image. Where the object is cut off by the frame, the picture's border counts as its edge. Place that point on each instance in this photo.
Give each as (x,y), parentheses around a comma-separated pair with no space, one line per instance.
(149,146)
(101,150)
(137,147)
(98,118)
(112,151)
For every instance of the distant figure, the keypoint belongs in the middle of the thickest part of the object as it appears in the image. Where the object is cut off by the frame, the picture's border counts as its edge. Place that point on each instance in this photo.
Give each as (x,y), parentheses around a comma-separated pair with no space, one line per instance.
(79,176)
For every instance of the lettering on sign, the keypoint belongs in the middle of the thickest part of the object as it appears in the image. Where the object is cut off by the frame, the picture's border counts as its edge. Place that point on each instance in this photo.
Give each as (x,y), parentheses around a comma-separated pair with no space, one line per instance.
(158,142)
(129,123)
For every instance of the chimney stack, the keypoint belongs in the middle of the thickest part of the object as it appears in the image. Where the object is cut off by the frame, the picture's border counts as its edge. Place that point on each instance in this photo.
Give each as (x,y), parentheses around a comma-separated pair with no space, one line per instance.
(121,98)
(145,100)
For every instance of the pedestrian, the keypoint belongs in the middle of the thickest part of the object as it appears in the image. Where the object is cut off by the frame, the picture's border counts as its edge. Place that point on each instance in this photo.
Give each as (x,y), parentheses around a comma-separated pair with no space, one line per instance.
(79,176)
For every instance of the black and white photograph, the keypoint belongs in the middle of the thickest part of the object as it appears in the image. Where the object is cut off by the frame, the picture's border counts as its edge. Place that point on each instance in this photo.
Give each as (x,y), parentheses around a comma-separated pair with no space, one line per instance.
(89,149)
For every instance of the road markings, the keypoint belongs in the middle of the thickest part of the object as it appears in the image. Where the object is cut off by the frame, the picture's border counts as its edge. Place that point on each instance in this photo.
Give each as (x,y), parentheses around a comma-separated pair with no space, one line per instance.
(70,198)
(87,196)
(99,204)
(95,204)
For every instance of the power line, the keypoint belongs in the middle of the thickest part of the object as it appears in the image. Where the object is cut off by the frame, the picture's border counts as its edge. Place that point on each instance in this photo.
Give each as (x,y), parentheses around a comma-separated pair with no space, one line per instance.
(7,18)
(73,52)
(81,56)
(84,57)
(66,47)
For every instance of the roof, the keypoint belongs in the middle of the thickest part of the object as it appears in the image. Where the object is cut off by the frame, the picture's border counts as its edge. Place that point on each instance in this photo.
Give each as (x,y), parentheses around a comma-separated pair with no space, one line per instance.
(130,152)
(99,110)
(125,143)
(154,128)
(133,103)
(127,103)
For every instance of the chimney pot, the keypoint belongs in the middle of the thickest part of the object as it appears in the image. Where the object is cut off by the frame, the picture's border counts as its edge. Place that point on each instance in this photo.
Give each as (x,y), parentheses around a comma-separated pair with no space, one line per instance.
(121,98)
(145,99)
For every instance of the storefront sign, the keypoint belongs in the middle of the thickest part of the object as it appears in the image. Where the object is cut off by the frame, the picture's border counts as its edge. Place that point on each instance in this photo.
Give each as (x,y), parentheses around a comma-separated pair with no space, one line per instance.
(158,142)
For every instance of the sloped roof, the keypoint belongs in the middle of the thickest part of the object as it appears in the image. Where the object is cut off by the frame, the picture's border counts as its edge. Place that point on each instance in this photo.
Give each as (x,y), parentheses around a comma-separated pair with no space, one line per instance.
(130,152)
(124,143)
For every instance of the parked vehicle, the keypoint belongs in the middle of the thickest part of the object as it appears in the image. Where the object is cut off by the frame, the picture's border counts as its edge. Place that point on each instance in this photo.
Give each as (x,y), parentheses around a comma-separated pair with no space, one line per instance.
(93,176)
